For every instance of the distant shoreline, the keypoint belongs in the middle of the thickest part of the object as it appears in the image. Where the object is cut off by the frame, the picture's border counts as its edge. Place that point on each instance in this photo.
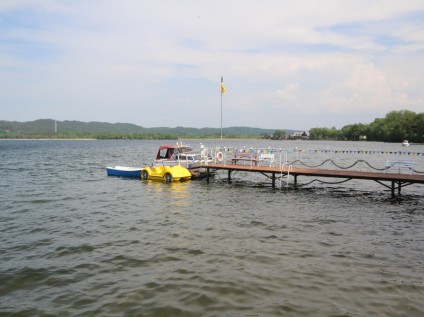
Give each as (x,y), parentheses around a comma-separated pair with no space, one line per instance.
(48,139)
(125,139)
(193,139)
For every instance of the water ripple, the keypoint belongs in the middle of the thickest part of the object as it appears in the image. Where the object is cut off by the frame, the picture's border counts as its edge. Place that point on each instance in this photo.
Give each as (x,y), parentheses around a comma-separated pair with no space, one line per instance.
(74,242)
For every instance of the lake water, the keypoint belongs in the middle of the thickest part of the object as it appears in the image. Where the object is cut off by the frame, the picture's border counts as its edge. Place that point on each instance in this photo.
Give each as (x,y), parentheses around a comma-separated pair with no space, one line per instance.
(75,242)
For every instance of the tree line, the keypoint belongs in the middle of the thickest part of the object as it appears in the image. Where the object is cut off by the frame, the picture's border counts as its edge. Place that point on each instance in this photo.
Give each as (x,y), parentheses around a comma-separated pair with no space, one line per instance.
(113,136)
(48,128)
(396,126)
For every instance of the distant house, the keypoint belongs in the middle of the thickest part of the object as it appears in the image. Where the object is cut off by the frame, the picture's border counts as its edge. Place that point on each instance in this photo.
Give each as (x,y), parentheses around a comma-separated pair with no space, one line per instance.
(299,135)
(276,136)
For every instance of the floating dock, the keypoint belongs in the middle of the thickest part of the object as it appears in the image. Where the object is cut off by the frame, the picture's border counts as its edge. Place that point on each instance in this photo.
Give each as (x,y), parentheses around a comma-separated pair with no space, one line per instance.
(395,181)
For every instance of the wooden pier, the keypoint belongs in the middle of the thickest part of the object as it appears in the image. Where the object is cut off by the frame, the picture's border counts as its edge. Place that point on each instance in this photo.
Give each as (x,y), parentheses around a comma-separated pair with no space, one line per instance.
(395,180)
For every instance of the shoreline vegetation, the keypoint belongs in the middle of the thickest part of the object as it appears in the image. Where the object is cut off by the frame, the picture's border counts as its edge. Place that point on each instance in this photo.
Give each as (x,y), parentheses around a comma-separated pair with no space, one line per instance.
(116,136)
(51,129)
(396,126)
(182,139)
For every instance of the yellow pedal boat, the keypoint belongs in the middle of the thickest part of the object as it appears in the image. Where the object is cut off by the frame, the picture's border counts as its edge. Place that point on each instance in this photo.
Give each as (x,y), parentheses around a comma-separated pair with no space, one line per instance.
(166,173)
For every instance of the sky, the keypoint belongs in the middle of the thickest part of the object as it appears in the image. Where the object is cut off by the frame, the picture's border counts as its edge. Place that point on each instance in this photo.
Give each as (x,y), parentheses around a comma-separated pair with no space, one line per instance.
(285,64)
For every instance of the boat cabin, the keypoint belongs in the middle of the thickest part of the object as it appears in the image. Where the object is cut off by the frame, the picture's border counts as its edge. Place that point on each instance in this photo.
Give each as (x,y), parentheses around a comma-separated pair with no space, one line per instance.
(167,152)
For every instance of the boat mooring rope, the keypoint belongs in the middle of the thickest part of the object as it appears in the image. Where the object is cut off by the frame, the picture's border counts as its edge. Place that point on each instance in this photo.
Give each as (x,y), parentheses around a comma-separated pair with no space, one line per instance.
(337,165)
(323,182)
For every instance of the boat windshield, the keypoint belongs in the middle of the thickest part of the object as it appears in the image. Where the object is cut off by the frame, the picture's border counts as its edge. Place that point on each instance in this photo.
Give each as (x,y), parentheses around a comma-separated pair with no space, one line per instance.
(184,149)
(165,153)
(187,157)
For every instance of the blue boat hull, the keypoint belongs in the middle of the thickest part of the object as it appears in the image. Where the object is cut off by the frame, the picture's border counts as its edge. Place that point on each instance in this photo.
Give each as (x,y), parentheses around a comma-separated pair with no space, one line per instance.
(124,171)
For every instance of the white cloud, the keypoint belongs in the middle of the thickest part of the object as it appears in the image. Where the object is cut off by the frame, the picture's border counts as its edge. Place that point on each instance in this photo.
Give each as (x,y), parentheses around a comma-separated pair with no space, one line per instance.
(289,93)
(122,59)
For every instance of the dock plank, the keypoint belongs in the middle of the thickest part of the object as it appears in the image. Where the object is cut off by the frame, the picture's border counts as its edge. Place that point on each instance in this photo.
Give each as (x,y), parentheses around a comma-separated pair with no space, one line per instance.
(394,178)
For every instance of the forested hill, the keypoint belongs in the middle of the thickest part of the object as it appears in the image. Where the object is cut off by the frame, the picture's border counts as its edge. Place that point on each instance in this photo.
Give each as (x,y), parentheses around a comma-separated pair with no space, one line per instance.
(396,126)
(77,129)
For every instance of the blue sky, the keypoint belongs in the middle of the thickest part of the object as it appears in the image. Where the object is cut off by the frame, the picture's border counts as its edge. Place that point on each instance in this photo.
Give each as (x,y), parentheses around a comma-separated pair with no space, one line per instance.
(286,64)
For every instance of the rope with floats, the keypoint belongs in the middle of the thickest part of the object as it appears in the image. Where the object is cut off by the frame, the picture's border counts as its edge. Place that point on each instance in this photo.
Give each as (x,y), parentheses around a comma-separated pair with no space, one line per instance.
(346,167)
(337,165)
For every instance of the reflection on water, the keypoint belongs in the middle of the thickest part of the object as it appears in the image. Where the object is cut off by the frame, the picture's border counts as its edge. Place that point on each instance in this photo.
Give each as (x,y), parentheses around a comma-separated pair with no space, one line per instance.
(175,193)
(74,242)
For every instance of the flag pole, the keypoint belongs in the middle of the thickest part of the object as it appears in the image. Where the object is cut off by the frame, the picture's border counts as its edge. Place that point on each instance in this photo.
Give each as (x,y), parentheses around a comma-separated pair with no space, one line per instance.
(222,83)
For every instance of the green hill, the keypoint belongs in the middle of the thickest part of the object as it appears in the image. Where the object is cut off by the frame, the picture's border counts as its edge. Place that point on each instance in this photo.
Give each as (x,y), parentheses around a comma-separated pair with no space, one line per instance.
(45,128)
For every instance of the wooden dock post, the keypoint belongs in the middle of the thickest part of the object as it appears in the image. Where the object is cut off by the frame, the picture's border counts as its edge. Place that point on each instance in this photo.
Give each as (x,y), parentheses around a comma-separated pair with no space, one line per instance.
(393,189)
